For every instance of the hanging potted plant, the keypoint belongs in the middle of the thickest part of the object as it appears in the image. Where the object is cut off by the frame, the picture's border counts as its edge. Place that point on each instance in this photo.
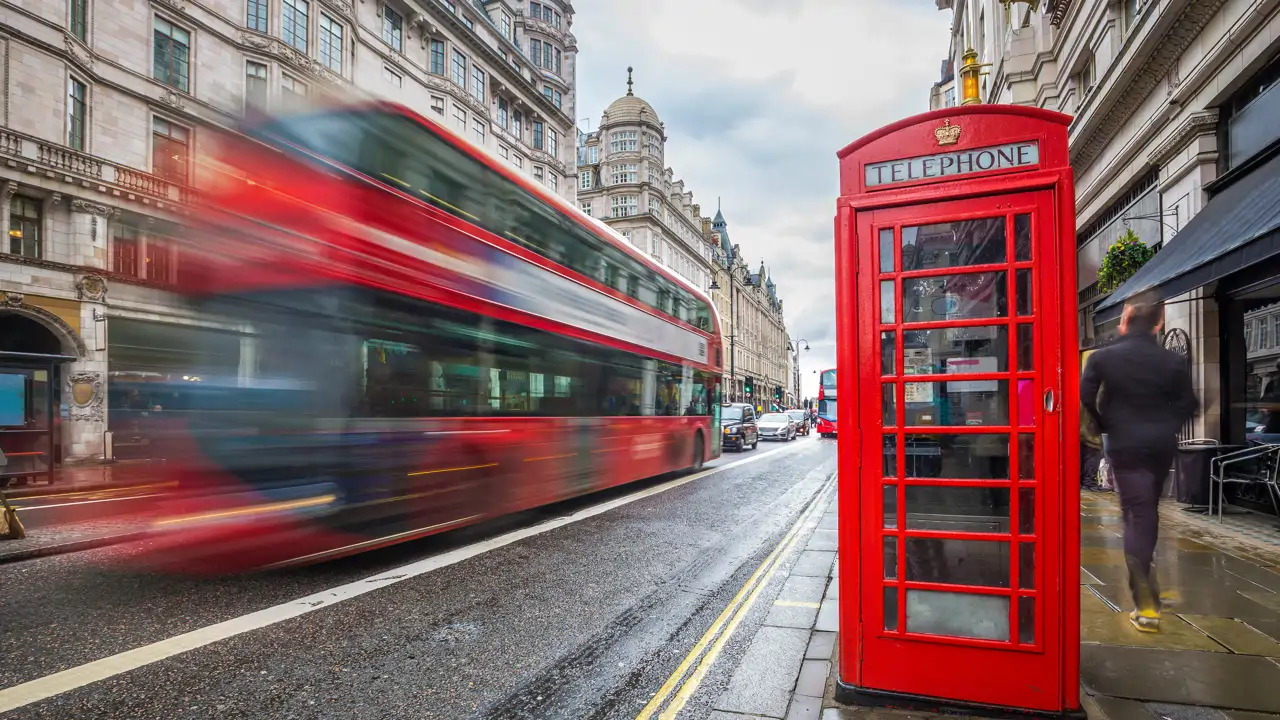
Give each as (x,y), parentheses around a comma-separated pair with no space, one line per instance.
(1122,260)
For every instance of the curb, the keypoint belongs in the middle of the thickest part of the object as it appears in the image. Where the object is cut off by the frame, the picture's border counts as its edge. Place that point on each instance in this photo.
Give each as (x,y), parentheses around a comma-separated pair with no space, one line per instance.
(71,547)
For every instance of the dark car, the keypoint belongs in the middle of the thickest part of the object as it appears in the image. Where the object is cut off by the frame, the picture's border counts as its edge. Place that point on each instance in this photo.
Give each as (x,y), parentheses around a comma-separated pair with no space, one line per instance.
(740,429)
(801,418)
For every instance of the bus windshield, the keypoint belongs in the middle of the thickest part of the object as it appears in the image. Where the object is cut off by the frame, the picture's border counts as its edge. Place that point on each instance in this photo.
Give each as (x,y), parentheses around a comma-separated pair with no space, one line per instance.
(827,408)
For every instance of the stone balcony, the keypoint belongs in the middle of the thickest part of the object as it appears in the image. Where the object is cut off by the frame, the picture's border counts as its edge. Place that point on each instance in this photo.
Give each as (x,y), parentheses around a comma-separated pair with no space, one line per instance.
(55,161)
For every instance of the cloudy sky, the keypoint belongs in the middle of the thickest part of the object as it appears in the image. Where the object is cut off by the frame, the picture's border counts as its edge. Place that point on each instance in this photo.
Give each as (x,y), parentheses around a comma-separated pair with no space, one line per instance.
(757,97)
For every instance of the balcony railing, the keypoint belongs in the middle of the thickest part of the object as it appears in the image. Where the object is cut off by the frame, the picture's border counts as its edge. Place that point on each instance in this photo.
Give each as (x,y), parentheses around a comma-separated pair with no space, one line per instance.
(120,178)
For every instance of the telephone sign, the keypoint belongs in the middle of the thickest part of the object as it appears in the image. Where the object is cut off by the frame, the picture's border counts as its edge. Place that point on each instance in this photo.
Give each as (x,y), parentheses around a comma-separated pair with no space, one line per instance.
(959,515)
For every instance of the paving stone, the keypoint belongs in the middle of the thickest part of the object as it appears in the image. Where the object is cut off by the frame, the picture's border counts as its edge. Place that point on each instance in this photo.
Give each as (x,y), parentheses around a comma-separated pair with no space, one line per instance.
(1122,709)
(814,563)
(822,540)
(833,589)
(1237,636)
(803,588)
(763,681)
(821,645)
(804,708)
(791,616)
(1115,629)
(828,616)
(1181,677)
(722,715)
(813,678)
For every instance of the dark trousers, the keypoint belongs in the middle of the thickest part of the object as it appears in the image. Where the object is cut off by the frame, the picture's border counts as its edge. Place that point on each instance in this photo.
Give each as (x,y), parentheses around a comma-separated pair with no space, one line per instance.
(1140,477)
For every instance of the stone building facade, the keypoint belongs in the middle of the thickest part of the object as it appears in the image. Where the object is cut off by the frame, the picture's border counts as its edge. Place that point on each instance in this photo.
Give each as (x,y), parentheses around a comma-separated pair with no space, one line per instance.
(623,180)
(751,312)
(108,105)
(1168,98)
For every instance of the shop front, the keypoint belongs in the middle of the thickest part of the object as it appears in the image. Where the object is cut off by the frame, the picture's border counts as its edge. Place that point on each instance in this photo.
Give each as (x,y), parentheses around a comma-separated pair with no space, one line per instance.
(1219,277)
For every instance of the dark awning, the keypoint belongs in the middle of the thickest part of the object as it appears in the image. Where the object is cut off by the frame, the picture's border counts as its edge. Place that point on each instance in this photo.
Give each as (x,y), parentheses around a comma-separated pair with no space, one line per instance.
(1239,227)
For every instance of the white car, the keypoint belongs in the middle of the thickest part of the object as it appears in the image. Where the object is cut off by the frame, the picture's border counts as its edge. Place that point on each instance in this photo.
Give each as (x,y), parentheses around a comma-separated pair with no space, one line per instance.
(777,426)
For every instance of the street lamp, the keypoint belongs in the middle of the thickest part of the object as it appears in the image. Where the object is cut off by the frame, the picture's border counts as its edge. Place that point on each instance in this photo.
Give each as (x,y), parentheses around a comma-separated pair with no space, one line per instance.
(733,315)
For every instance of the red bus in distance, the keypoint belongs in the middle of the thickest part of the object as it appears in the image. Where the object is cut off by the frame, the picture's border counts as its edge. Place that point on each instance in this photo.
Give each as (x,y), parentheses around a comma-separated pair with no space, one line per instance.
(827,403)
(433,340)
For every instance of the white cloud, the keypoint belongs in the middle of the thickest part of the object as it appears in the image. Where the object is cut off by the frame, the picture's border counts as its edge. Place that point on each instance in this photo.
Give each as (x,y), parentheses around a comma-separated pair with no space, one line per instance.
(757,97)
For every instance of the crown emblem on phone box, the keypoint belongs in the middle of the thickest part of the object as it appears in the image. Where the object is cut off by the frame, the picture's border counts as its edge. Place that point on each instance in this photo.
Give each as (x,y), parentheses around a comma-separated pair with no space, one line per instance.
(948,134)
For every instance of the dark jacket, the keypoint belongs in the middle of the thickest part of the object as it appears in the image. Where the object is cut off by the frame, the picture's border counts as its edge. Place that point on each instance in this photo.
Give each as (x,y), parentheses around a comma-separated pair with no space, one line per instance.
(1138,393)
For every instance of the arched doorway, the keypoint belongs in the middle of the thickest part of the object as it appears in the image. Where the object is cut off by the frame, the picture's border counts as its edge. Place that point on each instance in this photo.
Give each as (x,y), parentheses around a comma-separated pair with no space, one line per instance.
(33,351)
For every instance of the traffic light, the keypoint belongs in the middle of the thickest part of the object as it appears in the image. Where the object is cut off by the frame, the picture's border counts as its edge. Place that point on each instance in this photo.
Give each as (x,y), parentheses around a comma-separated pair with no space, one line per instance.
(777,394)
(749,387)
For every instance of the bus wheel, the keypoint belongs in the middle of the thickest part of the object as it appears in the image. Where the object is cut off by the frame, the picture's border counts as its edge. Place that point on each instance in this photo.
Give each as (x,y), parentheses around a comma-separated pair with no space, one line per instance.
(698,452)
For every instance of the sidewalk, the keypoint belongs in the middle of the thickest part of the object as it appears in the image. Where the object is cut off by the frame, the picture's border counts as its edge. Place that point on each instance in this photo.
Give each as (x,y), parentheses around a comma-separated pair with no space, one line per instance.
(1217,656)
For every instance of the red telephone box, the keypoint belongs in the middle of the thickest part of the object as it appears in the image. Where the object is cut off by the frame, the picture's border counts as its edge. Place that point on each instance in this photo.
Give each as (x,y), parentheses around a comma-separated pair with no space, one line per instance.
(959,501)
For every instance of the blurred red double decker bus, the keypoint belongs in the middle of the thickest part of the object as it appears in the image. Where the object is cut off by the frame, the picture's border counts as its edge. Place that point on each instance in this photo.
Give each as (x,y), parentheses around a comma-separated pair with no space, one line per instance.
(431,339)
(827,403)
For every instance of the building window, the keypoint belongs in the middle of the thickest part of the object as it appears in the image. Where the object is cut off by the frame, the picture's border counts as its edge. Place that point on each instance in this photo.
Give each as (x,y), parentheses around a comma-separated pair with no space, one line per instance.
(517,161)
(293,23)
(653,144)
(1131,8)
(535,52)
(504,152)
(949,97)
(158,260)
(558,58)
(392,77)
(593,154)
(1086,78)
(586,208)
(537,134)
(517,125)
(437,57)
(535,10)
(538,172)
(477,84)
(546,92)
(392,29)
(555,20)
(584,180)
(24,226)
(255,18)
(655,205)
(504,116)
(623,173)
(79,19)
(1264,334)
(172,49)
(459,119)
(559,101)
(330,43)
(553,182)
(624,205)
(76,114)
(124,248)
(459,69)
(653,179)
(477,127)
(255,84)
(552,142)
(546,55)
(624,141)
(437,105)
(452,8)
(466,20)
(292,91)
(506,26)
(170,146)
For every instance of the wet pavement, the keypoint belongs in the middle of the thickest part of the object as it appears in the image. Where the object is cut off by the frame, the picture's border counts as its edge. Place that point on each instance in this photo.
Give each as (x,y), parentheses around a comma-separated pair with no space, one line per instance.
(586,620)
(1219,640)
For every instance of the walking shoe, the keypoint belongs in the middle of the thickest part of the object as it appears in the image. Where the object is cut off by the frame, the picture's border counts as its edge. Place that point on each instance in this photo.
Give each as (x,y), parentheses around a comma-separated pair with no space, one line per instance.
(1145,621)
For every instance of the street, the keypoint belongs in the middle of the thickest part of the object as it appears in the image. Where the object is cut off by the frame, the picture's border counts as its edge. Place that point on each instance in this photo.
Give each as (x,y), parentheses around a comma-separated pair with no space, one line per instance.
(578,610)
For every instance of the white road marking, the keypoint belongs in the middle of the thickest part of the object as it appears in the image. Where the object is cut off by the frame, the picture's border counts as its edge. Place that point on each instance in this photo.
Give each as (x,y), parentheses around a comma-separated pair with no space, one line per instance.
(32,508)
(50,685)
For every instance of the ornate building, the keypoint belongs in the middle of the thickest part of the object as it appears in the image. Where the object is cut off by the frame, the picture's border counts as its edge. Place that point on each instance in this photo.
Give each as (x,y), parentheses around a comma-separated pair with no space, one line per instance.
(1173,107)
(623,181)
(758,368)
(108,105)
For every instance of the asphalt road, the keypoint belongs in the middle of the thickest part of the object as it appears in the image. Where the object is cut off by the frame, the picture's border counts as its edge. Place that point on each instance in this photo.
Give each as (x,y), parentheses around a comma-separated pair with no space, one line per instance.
(586,619)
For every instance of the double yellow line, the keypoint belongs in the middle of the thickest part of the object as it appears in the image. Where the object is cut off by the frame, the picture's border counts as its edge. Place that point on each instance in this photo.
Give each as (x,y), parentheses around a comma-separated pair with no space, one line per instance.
(683,683)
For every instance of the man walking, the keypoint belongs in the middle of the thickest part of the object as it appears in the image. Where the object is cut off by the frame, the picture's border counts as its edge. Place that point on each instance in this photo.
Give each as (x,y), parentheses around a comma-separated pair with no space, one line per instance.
(1139,394)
